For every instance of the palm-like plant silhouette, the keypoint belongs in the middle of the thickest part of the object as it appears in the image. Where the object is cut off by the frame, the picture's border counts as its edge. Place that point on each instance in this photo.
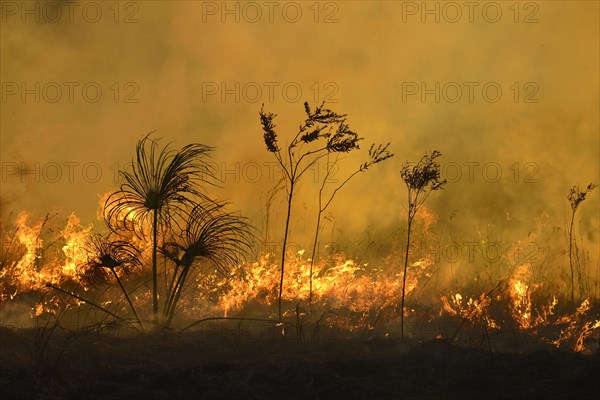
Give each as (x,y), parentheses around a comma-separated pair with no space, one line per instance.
(105,257)
(158,188)
(211,235)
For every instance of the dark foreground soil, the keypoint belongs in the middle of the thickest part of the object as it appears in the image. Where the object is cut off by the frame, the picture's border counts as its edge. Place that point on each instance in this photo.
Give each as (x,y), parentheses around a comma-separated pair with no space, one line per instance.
(103,365)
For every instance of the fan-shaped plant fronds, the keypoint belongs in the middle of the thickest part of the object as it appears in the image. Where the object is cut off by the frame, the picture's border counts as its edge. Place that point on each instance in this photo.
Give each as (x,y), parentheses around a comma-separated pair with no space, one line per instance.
(212,236)
(159,187)
(105,257)
(161,181)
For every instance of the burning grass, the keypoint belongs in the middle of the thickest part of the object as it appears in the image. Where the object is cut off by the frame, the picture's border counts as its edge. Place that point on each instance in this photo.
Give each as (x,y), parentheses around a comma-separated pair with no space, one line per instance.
(516,335)
(39,259)
(175,290)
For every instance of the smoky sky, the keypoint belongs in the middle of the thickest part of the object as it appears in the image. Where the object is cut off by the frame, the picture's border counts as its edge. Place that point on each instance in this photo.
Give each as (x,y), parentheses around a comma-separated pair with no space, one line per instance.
(507,92)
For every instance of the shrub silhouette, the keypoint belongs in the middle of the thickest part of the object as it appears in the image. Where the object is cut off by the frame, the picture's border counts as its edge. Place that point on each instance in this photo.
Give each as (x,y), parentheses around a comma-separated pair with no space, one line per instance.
(323,132)
(421,179)
(575,197)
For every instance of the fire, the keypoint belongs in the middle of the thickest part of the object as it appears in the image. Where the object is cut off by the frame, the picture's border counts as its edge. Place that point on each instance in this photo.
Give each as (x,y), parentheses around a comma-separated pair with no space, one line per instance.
(26,271)
(427,218)
(472,310)
(520,292)
(574,332)
(37,264)
(338,284)
(520,295)
(74,248)
(585,332)
(345,293)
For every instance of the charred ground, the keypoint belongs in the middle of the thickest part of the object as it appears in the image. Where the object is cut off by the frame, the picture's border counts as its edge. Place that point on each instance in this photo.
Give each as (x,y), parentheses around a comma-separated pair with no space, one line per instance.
(104,364)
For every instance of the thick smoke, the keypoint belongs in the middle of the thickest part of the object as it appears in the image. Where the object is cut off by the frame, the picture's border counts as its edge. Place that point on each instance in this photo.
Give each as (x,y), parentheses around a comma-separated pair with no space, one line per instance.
(175,70)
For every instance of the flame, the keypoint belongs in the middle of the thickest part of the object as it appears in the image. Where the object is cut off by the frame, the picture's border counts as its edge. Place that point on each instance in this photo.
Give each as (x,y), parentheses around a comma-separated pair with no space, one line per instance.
(520,305)
(427,217)
(37,265)
(26,271)
(520,295)
(345,294)
(471,310)
(74,251)
(574,332)
(338,283)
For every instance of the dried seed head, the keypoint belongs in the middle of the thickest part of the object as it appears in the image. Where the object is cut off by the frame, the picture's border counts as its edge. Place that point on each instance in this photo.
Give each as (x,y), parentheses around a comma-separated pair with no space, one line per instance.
(424,174)
(577,196)
(270,137)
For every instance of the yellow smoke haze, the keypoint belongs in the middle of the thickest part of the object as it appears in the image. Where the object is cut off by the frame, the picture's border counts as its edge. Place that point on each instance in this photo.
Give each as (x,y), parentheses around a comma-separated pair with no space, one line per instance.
(506,91)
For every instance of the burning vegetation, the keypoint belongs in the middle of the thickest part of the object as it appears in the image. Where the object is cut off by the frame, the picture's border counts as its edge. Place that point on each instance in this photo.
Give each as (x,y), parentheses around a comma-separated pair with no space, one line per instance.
(171,257)
(60,272)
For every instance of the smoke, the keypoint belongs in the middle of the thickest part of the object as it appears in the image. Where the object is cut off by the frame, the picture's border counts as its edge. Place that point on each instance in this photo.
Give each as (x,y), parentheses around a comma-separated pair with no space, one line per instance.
(183,72)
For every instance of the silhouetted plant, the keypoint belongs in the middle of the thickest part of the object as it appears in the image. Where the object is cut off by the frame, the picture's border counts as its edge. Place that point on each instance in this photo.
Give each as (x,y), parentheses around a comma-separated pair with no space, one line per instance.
(213,236)
(421,179)
(377,154)
(326,132)
(159,186)
(575,197)
(105,258)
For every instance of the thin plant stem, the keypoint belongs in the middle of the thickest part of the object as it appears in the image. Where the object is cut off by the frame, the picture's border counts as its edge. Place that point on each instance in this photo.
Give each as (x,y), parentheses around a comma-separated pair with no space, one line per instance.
(137,317)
